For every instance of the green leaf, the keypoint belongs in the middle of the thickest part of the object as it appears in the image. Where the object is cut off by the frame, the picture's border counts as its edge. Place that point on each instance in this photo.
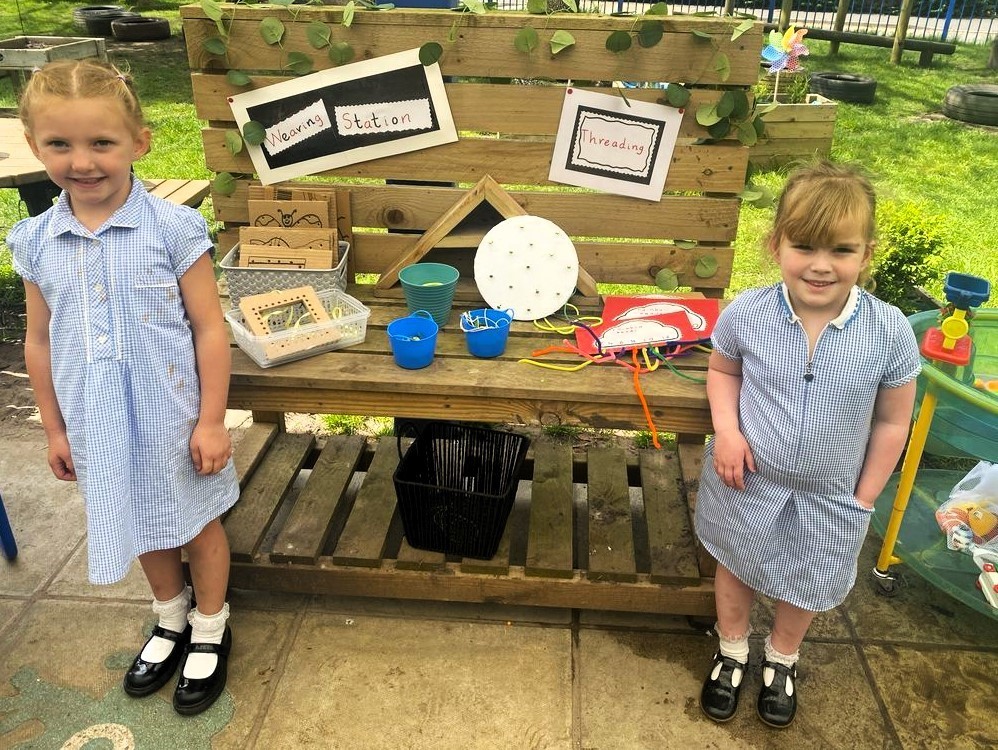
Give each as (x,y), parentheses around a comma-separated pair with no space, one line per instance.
(719,129)
(650,33)
(574,6)
(707,115)
(452,32)
(702,35)
(618,41)
(666,280)
(237,78)
(677,96)
(741,28)
(280,3)
(340,53)
(526,39)
(685,244)
(740,107)
(658,9)
(760,126)
(475,6)
(318,34)
(348,10)
(215,45)
(272,30)
(725,105)
(746,134)
(233,142)
(537,7)
(759,196)
(762,109)
(561,40)
(430,52)
(224,183)
(750,193)
(254,133)
(299,63)
(722,65)
(212,9)
(705,267)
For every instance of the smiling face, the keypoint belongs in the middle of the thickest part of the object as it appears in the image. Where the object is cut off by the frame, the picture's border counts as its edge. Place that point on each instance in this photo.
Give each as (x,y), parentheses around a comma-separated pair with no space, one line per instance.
(87,146)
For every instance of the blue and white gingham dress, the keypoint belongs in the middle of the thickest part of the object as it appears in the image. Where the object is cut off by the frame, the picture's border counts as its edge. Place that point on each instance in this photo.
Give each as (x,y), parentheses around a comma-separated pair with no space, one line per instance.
(795,532)
(124,371)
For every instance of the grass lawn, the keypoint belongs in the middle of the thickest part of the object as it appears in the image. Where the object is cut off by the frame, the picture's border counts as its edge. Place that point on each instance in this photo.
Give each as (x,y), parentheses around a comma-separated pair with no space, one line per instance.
(946,168)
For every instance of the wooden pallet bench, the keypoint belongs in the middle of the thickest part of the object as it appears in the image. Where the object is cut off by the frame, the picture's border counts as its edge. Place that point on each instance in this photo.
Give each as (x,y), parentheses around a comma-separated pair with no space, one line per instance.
(182,192)
(603,531)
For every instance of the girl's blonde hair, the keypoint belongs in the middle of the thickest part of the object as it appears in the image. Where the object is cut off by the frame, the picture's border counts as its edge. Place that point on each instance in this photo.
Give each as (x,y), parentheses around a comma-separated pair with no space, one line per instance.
(81,79)
(818,198)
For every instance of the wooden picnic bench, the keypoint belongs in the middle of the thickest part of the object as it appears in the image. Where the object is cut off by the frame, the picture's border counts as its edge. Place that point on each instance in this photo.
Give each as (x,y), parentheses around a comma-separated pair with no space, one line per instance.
(596,527)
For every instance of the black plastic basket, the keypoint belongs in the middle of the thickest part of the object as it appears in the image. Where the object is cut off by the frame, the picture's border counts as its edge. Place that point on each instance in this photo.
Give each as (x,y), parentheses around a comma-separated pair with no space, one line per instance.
(455,487)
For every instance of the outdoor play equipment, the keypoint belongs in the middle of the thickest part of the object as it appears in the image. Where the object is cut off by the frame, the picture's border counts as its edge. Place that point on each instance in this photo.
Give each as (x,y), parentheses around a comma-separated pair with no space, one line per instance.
(7,544)
(957,416)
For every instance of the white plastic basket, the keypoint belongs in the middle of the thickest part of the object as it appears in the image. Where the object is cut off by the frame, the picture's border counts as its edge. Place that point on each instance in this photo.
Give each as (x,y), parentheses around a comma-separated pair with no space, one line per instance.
(244,282)
(347,326)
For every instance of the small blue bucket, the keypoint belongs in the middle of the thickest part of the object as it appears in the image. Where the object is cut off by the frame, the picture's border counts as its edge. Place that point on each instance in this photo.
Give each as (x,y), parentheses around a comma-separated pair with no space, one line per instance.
(486,331)
(413,340)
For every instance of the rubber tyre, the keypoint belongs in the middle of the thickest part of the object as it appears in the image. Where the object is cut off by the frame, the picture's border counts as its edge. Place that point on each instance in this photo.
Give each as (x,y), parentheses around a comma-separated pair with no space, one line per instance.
(100,25)
(972,102)
(140,29)
(80,15)
(844,87)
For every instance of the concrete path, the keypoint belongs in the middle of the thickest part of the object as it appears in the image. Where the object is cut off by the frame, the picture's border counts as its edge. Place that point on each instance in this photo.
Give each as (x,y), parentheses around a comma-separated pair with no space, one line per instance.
(917,671)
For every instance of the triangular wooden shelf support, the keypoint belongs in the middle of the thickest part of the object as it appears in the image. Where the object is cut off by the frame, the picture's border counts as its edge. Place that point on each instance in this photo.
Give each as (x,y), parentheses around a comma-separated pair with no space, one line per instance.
(485,190)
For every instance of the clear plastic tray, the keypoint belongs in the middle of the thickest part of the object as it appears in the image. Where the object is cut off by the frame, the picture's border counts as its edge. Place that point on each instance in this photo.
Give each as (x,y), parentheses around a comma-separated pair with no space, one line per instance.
(244,282)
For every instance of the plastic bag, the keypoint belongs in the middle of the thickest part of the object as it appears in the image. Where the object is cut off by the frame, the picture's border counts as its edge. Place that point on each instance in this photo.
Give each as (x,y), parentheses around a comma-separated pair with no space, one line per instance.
(969,518)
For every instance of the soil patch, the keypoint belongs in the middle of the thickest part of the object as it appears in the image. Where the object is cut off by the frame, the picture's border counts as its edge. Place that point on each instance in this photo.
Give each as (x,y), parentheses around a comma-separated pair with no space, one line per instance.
(17,401)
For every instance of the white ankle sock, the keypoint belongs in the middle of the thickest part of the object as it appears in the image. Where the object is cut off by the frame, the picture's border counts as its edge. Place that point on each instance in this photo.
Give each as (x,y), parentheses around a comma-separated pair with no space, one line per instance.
(172,616)
(733,648)
(787,660)
(205,629)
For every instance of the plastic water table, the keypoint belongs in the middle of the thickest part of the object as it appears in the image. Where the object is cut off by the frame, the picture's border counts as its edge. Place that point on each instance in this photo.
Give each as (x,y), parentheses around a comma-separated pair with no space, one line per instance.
(957,415)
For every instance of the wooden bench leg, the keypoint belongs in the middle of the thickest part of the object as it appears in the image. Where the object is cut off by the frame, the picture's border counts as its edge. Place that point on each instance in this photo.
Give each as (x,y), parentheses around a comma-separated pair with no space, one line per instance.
(273,417)
(925,58)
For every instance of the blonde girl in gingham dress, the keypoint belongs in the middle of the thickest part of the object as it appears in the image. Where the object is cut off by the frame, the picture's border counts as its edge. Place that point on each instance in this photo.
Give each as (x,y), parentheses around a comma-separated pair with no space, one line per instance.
(811,386)
(128,357)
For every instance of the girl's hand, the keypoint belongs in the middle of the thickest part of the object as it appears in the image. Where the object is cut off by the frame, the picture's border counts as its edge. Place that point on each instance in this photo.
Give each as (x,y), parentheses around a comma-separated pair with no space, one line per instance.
(732,455)
(211,448)
(60,458)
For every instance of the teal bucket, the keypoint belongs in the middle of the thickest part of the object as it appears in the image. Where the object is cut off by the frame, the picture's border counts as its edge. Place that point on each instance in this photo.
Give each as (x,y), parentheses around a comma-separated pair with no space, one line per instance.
(413,340)
(486,331)
(430,287)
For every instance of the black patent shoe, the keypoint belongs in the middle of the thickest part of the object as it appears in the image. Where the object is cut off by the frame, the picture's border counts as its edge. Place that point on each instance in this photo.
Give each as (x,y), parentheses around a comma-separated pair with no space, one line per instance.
(146,677)
(719,697)
(193,696)
(778,700)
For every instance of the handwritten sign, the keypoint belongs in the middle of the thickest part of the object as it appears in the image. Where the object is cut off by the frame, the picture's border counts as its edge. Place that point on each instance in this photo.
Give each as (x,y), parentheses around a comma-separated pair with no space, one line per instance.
(605,144)
(367,110)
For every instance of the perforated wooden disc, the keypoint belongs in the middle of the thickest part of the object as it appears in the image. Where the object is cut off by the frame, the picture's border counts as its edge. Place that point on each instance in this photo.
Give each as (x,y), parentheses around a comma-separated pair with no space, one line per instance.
(528,265)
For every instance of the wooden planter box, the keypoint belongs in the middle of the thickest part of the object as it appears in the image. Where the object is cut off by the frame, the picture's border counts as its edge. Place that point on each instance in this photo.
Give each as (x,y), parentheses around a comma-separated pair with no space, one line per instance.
(796,132)
(20,54)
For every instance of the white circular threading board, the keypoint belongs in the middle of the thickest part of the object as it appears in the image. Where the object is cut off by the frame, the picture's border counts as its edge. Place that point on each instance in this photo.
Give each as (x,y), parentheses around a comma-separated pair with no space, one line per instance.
(528,265)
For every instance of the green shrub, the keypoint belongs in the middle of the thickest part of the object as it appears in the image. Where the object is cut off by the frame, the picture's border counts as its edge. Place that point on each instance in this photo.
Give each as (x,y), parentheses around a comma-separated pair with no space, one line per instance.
(908,253)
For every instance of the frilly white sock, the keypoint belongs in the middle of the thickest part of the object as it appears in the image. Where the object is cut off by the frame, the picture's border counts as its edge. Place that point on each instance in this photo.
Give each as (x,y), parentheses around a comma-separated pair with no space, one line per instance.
(172,616)
(205,629)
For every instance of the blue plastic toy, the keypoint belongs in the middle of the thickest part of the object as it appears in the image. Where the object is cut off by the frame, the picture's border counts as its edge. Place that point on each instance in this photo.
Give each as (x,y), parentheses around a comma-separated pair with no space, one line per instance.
(7,544)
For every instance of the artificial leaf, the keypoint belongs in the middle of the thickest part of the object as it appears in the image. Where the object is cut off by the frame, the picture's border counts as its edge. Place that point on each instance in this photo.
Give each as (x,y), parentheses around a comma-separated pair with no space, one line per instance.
(348,10)
(707,115)
(430,52)
(526,39)
(213,10)
(702,34)
(618,41)
(650,33)
(224,183)
(340,53)
(750,193)
(666,280)
(658,9)
(740,107)
(215,46)
(318,34)
(746,134)
(475,6)
(537,7)
(280,3)
(272,30)
(574,6)
(758,196)
(722,65)
(677,96)
(233,142)
(254,133)
(452,33)
(764,108)
(760,126)
(705,267)
(725,105)
(299,63)
(719,129)
(685,244)
(237,78)
(561,40)
(742,28)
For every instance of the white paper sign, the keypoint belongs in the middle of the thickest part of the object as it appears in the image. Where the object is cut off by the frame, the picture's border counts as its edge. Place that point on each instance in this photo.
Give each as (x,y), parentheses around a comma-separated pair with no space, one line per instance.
(607,145)
(384,117)
(301,125)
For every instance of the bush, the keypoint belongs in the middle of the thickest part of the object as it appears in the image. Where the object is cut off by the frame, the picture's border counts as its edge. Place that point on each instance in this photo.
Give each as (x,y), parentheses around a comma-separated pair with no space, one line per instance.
(908,254)
(11,300)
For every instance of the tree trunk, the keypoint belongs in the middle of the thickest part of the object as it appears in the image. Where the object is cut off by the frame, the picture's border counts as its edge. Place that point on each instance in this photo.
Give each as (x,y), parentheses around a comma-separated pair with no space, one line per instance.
(993,60)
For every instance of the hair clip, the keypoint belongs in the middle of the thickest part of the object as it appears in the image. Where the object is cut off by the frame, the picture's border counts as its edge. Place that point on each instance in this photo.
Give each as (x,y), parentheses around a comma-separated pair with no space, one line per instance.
(121,77)
(36,69)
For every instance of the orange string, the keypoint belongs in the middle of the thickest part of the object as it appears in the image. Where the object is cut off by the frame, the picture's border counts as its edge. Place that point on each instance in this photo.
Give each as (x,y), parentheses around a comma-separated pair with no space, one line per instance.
(644,402)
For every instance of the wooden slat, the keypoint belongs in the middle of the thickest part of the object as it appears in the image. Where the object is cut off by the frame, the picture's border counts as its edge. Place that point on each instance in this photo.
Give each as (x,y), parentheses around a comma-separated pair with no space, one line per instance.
(182,192)
(251,448)
(320,507)
(611,536)
(248,522)
(363,539)
(549,544)
(410,558)
(499,563)
(691,464)
(670,536)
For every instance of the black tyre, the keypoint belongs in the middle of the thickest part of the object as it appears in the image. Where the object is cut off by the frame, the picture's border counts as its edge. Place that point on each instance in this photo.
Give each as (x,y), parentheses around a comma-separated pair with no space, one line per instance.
(972,102)
(141,29)
(80,15)
(101,25)
(844,87)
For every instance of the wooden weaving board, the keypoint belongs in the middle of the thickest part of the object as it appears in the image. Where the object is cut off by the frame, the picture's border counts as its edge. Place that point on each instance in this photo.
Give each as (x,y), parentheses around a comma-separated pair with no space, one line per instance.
(294,303)
(290,214)
(314,249)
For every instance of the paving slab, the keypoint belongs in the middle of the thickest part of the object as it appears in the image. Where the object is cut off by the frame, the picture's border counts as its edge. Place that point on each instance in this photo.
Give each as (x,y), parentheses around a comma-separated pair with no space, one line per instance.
(9,610)
(72,580)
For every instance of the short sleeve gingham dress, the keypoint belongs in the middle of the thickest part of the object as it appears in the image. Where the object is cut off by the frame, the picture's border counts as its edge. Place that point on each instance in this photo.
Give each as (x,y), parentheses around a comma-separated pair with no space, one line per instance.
(124,371)
(795,531)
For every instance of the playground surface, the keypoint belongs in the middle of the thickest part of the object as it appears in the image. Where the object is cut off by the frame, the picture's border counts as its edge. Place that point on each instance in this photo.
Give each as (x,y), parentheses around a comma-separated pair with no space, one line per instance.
(916,671)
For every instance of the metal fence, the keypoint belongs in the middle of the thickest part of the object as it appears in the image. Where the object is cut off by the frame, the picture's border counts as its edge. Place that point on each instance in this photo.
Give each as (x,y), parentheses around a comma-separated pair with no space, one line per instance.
(972,21)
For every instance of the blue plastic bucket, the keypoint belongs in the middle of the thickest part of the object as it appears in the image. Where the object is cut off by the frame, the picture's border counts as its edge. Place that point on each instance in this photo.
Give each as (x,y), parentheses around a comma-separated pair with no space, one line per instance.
(486,331)
(413,340)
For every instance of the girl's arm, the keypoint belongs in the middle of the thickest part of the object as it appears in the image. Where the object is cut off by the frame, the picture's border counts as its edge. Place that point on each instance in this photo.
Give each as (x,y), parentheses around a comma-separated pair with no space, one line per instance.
(891,419)
(37,358)
(732,453)
(210,445)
